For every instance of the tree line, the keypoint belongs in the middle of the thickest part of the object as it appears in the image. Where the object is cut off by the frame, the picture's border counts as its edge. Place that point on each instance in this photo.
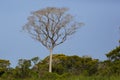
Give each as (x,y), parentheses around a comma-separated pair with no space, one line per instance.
(62,64)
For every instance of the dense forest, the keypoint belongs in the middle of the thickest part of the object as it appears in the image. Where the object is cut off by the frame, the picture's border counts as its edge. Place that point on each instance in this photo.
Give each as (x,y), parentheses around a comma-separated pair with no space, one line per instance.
(64,68)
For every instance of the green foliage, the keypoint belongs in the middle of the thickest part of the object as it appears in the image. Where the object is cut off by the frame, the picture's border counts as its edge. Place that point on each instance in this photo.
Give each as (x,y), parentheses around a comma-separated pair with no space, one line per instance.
(4,65)
(112,65)
(35,60)
(114,54)
(49,76)
(72,64)
(23,68)
(64,68)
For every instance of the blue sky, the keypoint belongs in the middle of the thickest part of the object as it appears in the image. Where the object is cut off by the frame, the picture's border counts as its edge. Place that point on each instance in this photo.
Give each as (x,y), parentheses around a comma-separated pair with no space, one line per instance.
(99,35)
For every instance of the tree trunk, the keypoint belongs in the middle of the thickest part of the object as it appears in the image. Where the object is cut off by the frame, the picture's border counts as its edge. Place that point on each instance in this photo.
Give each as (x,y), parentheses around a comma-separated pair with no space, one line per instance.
(50,61)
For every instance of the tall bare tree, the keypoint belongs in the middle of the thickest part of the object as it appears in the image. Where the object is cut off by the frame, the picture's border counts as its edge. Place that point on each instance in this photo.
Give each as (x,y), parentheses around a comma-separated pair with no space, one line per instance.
(51,26)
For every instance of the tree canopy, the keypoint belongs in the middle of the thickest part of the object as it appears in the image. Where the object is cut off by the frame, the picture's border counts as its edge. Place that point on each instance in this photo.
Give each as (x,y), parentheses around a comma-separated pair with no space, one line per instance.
(51,26)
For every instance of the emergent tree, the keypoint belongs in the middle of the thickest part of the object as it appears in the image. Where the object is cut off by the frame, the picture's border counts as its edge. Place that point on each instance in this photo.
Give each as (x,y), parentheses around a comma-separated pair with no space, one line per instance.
(51,26)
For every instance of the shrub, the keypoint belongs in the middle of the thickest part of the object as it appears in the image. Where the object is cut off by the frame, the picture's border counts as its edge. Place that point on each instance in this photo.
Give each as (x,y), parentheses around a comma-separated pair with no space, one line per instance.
(49,76)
